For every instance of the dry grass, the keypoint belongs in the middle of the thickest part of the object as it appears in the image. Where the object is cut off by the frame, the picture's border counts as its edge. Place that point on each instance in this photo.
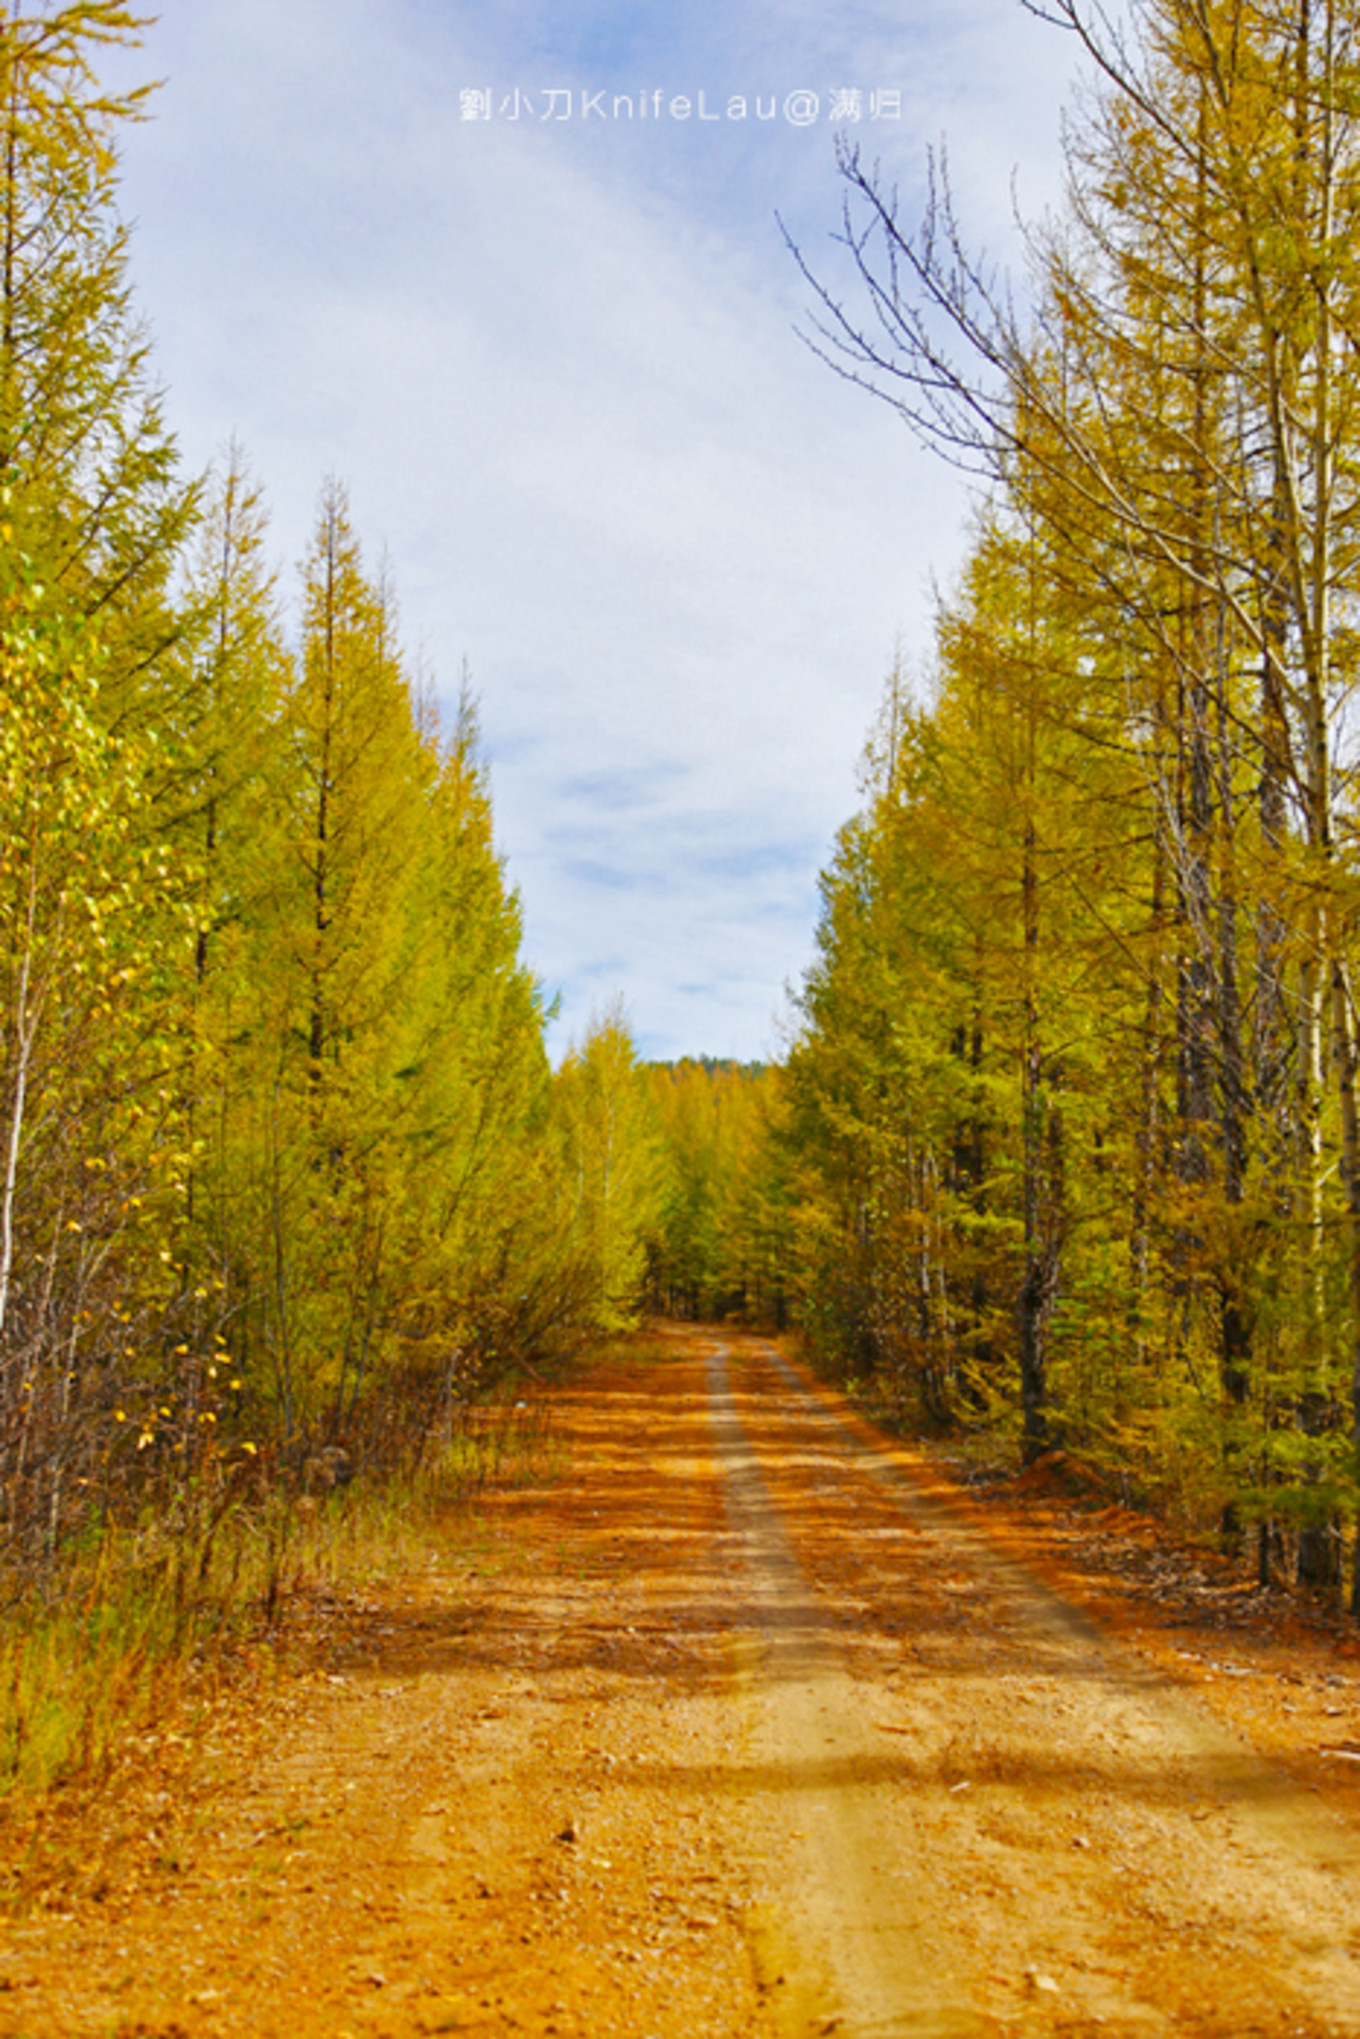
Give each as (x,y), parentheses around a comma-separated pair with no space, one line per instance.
(126,1629)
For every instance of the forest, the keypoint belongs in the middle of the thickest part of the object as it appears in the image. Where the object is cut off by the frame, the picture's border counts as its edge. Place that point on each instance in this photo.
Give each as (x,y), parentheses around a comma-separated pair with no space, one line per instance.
(286,1177)
(1073,1102)
(1064,1155)
(494,1539)
(1065,1151)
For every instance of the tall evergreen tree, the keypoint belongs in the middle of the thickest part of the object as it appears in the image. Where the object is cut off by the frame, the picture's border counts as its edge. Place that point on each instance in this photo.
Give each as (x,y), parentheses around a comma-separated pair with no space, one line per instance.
(92,899)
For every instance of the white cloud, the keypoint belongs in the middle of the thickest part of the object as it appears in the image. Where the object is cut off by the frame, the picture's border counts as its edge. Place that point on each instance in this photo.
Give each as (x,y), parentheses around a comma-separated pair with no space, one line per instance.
(557,369)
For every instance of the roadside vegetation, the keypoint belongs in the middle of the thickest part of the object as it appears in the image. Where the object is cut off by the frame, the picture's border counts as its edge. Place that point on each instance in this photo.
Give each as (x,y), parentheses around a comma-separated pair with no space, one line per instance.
(1065,1153)
(1072,1108)
(291,1198)
(153,1623)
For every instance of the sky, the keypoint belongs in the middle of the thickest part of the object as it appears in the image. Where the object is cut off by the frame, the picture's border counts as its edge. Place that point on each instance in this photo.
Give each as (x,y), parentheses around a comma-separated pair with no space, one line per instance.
(514,275)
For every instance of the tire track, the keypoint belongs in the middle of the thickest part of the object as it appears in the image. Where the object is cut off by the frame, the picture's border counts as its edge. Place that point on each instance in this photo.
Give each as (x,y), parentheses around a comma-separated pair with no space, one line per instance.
(984,1814)
(843,1938)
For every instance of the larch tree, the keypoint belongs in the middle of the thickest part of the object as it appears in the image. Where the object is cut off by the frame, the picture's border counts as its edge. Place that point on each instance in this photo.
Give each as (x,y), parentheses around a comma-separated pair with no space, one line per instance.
(92,897)
(1173,414)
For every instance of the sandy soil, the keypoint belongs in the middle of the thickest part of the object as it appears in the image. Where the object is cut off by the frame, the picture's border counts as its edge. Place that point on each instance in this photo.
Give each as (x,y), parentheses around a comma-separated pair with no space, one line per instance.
(746,1721)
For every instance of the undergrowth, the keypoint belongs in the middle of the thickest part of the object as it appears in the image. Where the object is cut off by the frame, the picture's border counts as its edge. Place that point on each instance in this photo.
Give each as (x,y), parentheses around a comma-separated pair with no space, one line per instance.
(125,1629)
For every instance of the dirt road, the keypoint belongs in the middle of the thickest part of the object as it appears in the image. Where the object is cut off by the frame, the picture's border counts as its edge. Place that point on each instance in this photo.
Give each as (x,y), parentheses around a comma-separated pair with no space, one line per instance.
(744,1722)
